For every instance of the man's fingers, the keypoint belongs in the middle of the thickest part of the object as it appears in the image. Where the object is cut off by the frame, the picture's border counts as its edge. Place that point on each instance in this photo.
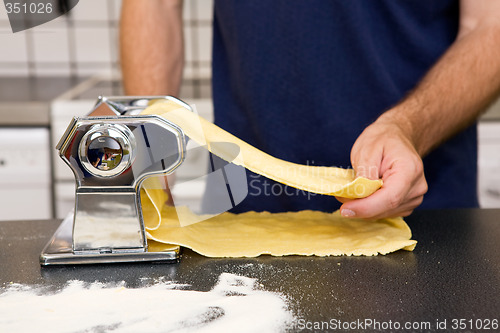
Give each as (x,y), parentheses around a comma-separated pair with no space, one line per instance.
(385,151)
(367,168)
(366,162)
(387,199)
(343,200)
(369,171)
(403,211)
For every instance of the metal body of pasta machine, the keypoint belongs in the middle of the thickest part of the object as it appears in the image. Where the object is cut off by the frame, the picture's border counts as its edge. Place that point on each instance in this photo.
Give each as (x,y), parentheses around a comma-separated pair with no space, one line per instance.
(111,152)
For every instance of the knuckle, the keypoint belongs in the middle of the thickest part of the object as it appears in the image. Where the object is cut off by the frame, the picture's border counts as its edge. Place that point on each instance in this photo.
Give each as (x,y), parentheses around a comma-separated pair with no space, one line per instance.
(421,188)
(419,166)
(425,187)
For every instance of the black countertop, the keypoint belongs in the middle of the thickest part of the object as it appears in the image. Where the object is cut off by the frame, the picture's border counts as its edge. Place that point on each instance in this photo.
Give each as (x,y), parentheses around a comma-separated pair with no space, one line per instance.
(454,272)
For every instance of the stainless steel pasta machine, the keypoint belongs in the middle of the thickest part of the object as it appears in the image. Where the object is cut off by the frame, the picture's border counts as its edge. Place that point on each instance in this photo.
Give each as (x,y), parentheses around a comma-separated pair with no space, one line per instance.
(111,152)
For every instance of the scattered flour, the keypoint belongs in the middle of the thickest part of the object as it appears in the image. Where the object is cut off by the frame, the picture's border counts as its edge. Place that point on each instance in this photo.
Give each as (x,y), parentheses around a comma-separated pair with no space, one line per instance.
(235,304)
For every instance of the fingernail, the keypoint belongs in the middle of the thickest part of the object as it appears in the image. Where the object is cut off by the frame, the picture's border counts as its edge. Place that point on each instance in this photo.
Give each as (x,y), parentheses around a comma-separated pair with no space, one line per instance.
(347,213)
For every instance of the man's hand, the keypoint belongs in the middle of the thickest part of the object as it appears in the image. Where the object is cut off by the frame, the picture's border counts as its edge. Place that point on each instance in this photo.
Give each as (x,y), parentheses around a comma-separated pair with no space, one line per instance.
(384,151)
(463,82)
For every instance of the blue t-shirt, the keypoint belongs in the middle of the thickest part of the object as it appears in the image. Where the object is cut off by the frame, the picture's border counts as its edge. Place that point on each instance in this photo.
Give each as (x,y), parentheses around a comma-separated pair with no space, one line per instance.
(300,80)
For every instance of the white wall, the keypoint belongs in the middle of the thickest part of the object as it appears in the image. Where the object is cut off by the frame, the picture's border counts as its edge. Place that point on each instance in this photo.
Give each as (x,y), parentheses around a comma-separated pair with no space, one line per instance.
(86,42)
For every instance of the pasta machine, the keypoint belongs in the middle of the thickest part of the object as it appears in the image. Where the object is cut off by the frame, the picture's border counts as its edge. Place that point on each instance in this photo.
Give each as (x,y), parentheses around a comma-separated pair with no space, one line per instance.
(111,152)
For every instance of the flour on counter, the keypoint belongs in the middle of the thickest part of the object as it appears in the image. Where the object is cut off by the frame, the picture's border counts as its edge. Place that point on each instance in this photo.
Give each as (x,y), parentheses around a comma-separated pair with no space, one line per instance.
(235,304)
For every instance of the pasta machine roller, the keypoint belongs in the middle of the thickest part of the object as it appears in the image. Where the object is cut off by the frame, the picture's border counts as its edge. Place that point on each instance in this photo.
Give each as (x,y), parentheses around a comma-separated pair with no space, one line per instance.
(111,152)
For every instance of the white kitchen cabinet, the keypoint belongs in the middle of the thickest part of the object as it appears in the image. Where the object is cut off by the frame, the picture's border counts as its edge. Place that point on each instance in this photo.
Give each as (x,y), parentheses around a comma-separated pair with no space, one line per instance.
(489,164)
(25,179)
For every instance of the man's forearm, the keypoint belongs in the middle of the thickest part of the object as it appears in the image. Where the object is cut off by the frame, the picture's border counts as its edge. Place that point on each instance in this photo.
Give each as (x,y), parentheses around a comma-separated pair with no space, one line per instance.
(455,91)
(151,46)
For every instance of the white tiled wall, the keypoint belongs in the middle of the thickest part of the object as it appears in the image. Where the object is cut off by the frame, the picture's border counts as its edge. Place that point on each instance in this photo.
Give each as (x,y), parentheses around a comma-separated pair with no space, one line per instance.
(51,44)
(94,45)
(14,47)
(86,42)
(14,51)
(91,10)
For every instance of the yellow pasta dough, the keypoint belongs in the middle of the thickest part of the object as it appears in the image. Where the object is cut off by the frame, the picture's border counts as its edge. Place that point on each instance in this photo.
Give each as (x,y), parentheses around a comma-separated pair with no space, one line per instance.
(303,233)
(251,234)
(323,180)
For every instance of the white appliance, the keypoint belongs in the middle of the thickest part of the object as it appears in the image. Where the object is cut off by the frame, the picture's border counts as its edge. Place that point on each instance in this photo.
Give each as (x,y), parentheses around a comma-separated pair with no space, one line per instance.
(25,179)
(489,164)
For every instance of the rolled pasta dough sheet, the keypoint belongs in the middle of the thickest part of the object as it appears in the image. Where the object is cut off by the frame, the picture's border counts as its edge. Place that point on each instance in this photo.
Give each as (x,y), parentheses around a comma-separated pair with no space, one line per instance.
(307,233)
(252,234)
(318,179)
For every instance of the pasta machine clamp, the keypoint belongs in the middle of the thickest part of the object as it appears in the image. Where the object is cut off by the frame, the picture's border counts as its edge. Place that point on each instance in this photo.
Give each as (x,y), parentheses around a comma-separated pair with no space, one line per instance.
(111,152)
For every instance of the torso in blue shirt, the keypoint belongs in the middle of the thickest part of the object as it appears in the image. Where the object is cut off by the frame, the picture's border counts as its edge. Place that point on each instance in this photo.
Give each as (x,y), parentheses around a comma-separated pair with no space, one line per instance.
(300,80)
